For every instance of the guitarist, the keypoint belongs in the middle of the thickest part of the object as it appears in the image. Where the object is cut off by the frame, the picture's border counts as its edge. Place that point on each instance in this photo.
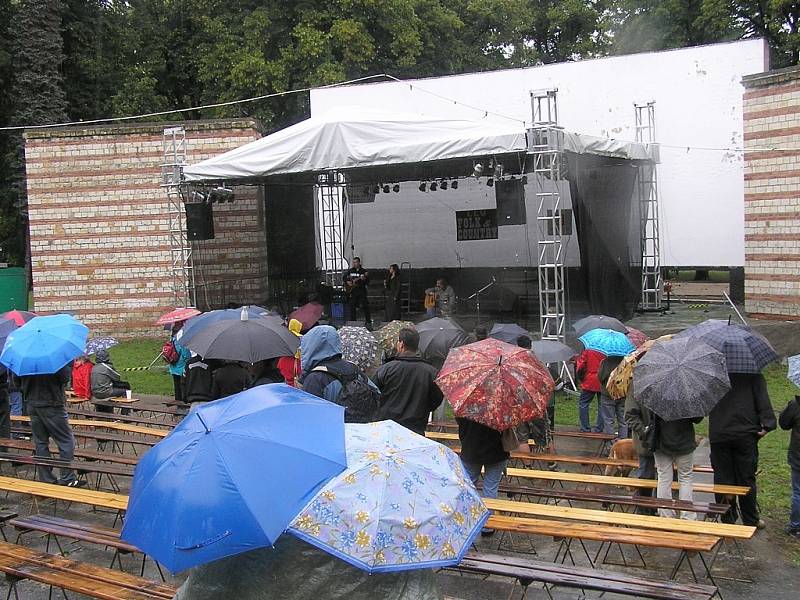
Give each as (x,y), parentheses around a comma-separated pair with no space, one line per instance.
(356,280)
(440,300)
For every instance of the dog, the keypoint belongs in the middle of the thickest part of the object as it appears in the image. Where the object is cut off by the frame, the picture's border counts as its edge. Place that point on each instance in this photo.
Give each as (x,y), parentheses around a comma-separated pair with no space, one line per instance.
(622,449)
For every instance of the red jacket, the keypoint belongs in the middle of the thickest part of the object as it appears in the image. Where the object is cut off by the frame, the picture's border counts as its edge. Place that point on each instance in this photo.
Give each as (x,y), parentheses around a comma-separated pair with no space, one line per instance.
(289,366)
(81,380)
(586,367)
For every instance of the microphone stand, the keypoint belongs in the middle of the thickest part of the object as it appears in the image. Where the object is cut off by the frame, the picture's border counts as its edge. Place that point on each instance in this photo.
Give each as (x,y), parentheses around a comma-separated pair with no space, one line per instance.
(477,296)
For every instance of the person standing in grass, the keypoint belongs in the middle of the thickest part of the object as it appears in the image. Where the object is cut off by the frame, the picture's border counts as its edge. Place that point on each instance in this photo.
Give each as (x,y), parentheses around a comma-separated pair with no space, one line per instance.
(790,419)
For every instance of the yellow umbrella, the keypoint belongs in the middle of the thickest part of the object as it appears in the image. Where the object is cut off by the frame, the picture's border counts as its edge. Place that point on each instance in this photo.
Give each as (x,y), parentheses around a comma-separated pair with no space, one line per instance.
(620,379)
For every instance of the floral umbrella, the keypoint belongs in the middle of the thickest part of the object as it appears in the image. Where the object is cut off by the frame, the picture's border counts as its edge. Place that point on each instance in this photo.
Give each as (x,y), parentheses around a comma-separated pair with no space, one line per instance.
(496,384)
(404,502)
(637,337)
(177,315)
(100,343)
(359,346)
(387,335)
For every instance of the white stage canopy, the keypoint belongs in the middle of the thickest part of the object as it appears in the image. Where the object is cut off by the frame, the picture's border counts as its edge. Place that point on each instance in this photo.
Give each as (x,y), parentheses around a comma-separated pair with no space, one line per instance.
(347,139)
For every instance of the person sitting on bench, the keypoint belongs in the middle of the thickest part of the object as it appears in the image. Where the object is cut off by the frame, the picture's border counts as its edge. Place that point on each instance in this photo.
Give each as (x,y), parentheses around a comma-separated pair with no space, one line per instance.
(106,382)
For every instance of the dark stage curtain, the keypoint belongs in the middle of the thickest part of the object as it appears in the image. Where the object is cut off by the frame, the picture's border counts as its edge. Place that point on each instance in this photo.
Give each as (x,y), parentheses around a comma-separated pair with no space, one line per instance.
(602,191)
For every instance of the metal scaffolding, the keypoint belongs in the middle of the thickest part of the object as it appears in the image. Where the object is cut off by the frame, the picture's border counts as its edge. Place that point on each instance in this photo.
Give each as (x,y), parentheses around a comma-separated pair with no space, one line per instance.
(545,145)
(652,282)
(181,264)
(330,210)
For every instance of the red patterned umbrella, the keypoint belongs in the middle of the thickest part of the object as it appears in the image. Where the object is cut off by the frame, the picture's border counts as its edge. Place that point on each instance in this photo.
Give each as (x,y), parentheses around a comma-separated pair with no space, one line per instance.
(636,337)
(177,315)
(20,317)
(496,384)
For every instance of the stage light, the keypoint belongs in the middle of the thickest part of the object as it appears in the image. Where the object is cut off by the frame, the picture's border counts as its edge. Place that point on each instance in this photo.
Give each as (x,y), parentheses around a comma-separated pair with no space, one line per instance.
(434,186)
(386,188)
(376,189)
(490,182)
(422,187)
(396,188)
(454,184)
(477,170)
(524,180)
(220,194)
(443,185)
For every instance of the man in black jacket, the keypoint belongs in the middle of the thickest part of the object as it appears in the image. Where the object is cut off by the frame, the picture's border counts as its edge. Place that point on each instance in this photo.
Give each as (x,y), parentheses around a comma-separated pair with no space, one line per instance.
(46,402)
(736,424)
(407,383)
(198,380)
(356,282)
(790,419)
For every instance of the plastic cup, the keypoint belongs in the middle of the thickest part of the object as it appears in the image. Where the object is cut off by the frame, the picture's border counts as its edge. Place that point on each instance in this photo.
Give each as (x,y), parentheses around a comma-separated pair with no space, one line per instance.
(128,394)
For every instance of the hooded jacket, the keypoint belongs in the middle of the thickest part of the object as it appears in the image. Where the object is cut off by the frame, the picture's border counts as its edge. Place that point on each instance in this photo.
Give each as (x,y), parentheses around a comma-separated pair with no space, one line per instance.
(105,378)
(321,347)
(587,366)
(199,380)
(408,392)
(743,411)
(790,419)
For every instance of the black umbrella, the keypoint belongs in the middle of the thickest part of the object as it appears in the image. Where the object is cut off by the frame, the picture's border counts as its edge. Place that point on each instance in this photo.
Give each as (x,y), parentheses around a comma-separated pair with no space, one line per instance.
(745,350)
(586,324)
(438,335)
(508,332)
(551,351)
(681,378)
(248,340)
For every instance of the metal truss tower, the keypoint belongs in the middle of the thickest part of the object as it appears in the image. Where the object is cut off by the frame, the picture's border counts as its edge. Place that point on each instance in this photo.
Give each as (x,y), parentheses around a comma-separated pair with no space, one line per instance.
(545,146)
(181,264)
(647,186)
(331,197)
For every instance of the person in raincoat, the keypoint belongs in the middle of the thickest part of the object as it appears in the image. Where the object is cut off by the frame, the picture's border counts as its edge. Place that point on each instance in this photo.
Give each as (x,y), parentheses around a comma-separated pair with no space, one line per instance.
(790,419)
(639,421)
(177,369)
(82,377)
(586,367)
(289,366)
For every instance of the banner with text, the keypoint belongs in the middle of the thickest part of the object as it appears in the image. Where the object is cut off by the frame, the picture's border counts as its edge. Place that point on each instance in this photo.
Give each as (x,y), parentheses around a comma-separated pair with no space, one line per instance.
(476,224)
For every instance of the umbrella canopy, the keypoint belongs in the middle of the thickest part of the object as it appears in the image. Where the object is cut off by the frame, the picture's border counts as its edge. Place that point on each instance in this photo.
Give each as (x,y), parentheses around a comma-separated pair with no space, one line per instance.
(200,322)
(619,380)
(404,502)
(508,332)
(233,474)
(586,324)
(607,341)
(44,345)
(6,327)
(308,314)
(745,350)
(245,339)
(100,343)
(636,337)
(387,335)
(794,369)
(681,378)
(20,317)
(438,335)
(550,351)
(359,346)
(496,384)
(177,315)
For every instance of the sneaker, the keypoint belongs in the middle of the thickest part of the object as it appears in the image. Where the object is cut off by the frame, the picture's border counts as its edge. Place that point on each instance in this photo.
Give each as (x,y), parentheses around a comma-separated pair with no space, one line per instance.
(553,466)
(76,483)
(793,531)
(487,532)
(760,524)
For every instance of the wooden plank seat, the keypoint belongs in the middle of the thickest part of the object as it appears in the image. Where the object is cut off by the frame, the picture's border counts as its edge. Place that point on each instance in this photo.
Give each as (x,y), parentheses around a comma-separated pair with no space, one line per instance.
(101,437)
(588,435)
(20,563)
(56,527)
(38,489)
(130,419)
(611,500)
(83,468)
(630,482)
(99,424)
(525,571)
(147,407)
(83,453)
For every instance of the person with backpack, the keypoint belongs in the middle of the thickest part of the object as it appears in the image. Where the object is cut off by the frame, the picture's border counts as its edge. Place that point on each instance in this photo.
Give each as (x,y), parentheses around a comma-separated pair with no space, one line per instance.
(176,356)
(327,375)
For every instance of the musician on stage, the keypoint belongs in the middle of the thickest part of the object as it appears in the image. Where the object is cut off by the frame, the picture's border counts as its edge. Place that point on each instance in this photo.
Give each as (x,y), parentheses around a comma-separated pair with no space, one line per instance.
(356,280)
(440,300)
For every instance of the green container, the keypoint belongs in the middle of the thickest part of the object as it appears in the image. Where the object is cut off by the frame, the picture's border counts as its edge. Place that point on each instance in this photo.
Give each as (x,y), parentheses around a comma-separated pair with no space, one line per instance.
(13,289)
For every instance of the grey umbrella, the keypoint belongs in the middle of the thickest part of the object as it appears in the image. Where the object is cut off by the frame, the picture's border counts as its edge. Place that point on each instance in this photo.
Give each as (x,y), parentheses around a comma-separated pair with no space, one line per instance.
(794,370)
(551,351)
(246,339)
(586,324)
(680,379)
(359,346)
(438,335)
(508,332)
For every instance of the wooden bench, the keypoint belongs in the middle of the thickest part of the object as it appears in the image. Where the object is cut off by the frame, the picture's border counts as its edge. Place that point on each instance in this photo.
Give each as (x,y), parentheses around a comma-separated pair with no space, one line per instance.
(141,406)
(131,419)
(109,470)
(611,500)
(92,455)
(56,527)
(38,489)
(101,437)
(116,426)
(525,572)
(20,563)
(630,482)
(586,435)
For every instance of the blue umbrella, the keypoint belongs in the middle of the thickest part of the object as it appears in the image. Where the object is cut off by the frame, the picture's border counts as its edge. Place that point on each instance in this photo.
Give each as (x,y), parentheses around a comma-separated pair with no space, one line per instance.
(607,341)
(201,322)
(794,369)
(44,345)
(100,343)
(233,475)
(745,350)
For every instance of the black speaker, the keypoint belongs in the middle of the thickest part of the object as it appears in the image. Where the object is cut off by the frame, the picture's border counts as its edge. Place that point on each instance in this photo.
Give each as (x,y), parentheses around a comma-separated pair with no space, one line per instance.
(199,221)
(510,197)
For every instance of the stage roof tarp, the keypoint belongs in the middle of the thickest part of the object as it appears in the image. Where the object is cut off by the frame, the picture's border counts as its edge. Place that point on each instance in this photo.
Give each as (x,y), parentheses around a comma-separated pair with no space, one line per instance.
(350,139)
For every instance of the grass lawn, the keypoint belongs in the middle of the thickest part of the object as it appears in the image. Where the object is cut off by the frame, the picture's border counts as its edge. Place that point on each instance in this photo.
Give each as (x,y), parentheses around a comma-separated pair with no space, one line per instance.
(140,353)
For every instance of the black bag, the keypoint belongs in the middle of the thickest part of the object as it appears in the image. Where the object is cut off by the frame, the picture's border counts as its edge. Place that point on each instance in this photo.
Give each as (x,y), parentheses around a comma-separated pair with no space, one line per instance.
(357,396)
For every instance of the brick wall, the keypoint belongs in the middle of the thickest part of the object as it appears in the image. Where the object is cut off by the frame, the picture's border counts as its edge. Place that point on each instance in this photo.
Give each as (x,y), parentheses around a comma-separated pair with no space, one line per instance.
(772,194)
(99,227)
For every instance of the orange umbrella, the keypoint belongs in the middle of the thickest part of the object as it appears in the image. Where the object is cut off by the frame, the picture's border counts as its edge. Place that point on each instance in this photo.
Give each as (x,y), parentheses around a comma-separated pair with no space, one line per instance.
(177,315)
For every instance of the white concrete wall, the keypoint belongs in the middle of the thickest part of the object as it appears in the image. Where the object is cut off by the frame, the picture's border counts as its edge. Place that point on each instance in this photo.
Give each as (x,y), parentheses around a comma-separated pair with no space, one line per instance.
(698,97)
